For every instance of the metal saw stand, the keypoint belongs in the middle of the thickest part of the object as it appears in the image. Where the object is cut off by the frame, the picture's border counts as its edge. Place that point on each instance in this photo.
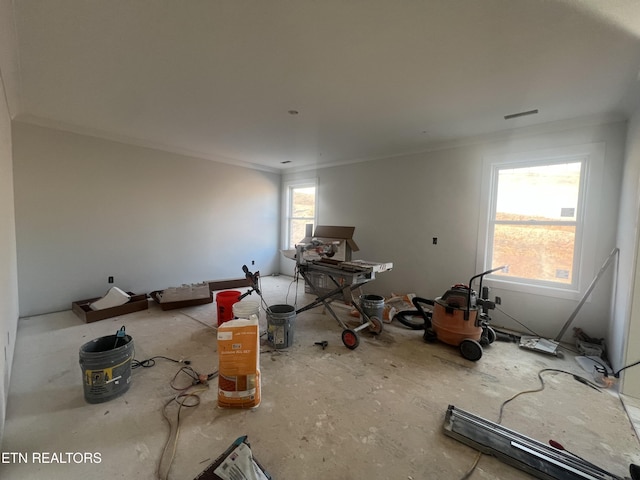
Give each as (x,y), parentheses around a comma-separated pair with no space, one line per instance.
(358,278)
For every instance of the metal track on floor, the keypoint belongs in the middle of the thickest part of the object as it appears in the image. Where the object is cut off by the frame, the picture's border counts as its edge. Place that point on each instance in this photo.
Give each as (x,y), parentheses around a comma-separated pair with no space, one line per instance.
(517,450)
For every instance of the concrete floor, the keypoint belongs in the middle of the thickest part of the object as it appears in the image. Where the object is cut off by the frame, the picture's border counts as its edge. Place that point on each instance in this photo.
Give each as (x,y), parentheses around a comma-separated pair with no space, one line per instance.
(375,412)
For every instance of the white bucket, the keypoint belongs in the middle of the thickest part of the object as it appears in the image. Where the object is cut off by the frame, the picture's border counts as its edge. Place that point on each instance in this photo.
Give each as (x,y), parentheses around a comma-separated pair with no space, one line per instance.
(246,308)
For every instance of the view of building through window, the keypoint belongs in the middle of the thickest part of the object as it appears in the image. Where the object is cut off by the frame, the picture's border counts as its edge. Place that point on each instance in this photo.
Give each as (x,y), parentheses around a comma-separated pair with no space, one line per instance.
(302,211)
(536,221)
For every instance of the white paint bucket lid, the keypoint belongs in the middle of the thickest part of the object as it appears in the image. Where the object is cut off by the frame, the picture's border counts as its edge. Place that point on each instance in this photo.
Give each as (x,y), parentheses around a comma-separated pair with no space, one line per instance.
(246,308)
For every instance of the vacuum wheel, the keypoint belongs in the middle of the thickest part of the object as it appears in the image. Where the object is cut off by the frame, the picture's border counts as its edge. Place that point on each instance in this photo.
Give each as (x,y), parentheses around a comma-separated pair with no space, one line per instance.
(376,325)
(471,350)
(350,339)
(491,335)
(488,336)
(429,335)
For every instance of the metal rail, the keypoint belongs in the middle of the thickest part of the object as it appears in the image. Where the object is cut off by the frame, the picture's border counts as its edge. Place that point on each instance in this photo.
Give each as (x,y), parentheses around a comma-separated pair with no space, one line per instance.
(536,458)
(607,262)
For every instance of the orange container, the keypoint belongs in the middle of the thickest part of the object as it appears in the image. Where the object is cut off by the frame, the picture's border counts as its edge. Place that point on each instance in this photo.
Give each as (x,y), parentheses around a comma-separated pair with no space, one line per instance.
(449,324)
(225,301)
(239,363)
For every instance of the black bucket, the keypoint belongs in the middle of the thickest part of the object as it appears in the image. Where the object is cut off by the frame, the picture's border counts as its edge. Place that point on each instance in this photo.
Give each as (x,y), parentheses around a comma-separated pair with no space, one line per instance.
(106,367)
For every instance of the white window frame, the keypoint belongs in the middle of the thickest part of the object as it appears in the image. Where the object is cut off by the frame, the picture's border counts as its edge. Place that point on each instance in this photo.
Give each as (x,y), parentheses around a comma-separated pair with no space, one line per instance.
(288,187)
(592,158)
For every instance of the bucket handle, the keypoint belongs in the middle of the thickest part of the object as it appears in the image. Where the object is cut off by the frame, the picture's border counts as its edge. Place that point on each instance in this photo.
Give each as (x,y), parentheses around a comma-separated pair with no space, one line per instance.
(119,334)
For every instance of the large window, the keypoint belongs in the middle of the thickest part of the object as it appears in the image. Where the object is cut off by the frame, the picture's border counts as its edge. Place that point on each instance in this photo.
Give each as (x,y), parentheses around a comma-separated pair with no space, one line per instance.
(535,221)
(301,210)
(540,219)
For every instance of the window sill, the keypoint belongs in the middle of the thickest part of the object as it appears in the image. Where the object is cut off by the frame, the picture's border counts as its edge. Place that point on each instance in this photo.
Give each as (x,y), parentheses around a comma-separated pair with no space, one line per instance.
(567,293)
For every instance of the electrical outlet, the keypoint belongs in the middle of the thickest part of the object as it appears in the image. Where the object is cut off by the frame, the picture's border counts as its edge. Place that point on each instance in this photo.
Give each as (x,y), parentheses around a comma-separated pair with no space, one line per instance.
(435,240)
(110,279)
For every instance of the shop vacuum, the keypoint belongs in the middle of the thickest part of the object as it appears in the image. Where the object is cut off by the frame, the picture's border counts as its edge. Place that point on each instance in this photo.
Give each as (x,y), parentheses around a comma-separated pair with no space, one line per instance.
(457,318)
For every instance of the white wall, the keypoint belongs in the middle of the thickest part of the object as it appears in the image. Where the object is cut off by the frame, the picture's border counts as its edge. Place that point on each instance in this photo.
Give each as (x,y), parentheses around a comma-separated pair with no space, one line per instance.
(625,331)
(399,204)
(87,209)
(8,266)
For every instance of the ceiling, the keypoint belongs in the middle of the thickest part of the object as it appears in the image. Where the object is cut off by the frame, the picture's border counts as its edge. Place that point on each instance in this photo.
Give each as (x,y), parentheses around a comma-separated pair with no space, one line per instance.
(368,78)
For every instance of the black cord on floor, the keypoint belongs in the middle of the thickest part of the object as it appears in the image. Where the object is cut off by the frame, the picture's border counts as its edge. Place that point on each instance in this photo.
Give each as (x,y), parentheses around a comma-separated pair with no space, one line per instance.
(617,374)
(187,397)
(294,280)
(150,362)
(600,368)
(535,390)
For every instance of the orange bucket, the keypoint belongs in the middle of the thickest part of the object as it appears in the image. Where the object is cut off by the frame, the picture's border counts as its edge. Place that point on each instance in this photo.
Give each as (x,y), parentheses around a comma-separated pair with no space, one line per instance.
(225,301)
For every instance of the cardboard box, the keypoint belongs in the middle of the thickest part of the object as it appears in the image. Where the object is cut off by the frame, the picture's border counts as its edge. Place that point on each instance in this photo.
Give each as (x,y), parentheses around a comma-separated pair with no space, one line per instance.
(342,235)
(213,286)
(136,303)
(157,295)
(229,284)
(198,291)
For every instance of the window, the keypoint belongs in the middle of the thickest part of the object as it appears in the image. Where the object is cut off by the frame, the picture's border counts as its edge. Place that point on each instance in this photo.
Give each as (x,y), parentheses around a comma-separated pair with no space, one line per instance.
(535,221)
(540,219)
(301,210)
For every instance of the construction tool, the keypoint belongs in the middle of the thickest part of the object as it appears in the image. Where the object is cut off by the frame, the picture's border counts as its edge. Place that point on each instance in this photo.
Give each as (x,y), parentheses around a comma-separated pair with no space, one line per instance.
(559,446)
(457,318)
(517,450)
(254,279)
(550,347)
(344,277)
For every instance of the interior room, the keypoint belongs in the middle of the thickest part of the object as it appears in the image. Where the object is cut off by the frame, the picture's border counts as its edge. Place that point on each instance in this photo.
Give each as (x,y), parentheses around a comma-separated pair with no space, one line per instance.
(147,147)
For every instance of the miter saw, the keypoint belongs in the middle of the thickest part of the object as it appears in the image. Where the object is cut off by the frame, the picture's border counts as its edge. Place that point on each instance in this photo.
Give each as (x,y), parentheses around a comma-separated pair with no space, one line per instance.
(316,250)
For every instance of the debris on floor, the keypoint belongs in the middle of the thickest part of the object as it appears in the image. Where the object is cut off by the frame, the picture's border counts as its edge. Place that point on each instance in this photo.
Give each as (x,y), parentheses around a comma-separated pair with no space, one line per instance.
(392,305)
(603,374)
(323,344)
(588,345)
(236,462)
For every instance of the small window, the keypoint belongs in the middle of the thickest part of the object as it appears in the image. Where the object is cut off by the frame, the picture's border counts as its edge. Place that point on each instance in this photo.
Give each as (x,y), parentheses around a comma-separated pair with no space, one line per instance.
(301,210)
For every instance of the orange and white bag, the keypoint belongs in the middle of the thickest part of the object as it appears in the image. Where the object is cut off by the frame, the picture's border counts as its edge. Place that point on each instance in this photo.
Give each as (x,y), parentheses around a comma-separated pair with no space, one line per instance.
(239,363)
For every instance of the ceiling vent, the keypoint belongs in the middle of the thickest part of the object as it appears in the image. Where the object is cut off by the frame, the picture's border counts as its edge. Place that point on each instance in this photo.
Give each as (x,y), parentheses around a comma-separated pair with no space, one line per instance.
(521,114)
